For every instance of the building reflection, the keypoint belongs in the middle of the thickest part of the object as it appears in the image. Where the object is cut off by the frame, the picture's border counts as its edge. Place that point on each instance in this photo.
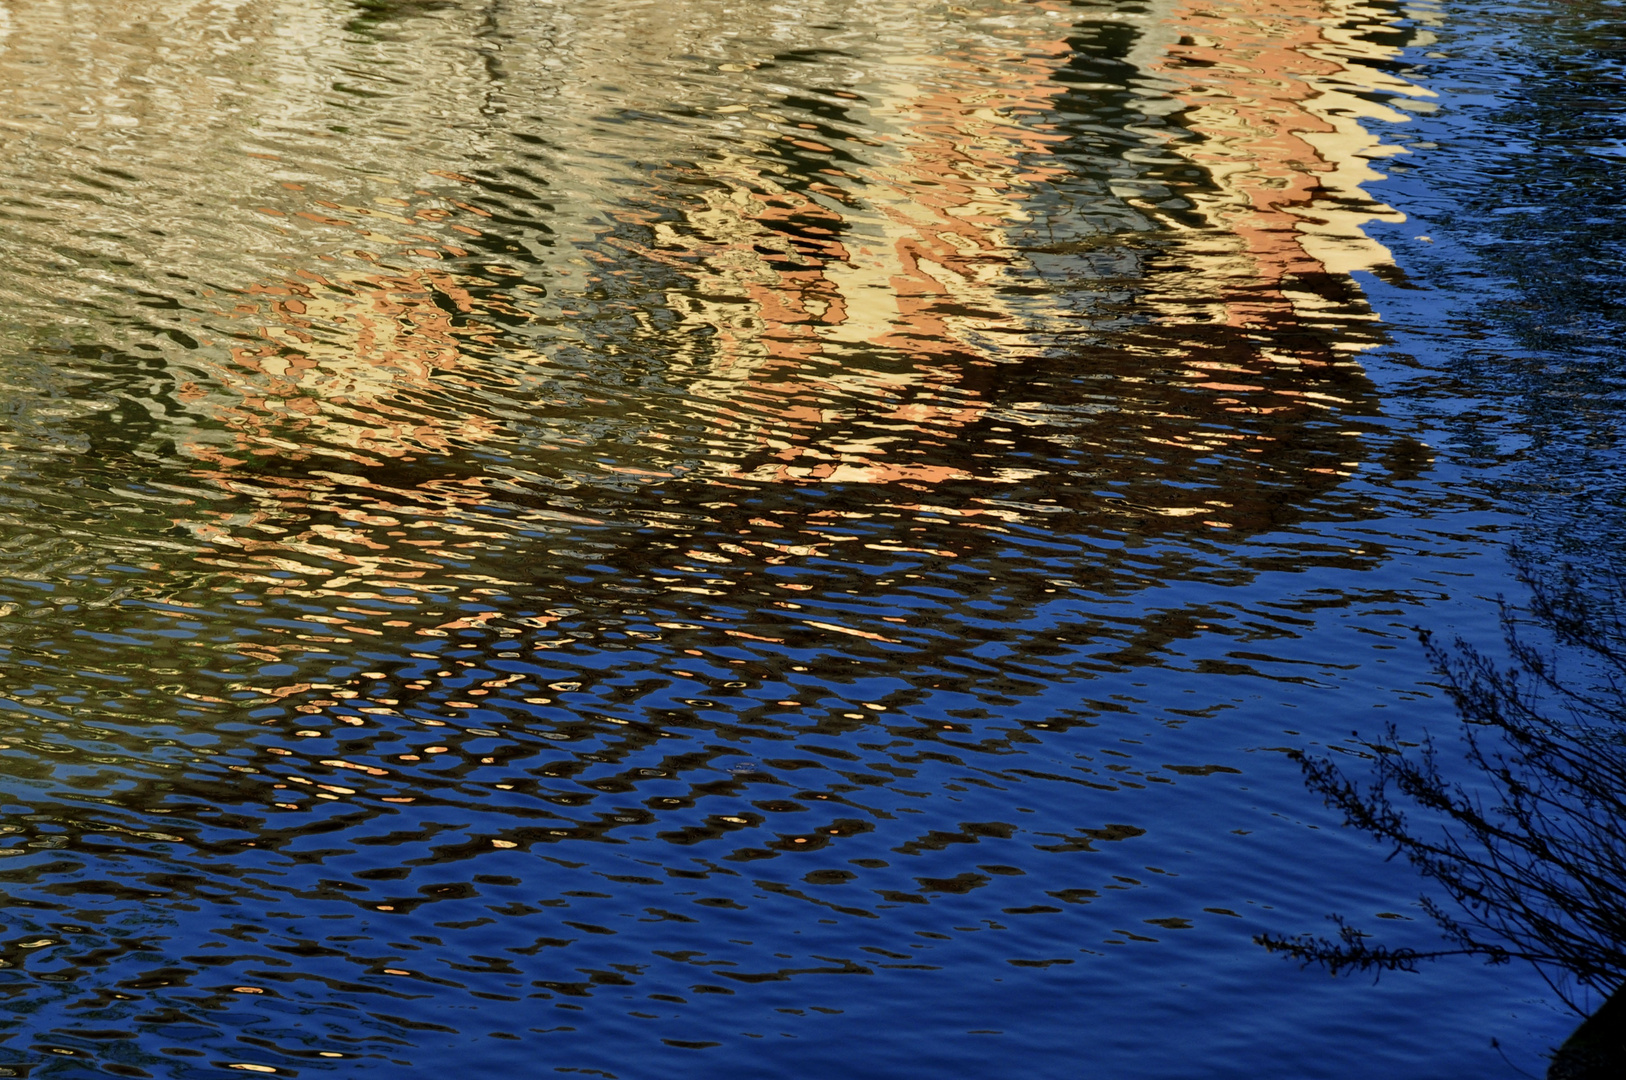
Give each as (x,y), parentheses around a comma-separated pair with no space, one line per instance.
(920,279)
(860,303)
(1278,94)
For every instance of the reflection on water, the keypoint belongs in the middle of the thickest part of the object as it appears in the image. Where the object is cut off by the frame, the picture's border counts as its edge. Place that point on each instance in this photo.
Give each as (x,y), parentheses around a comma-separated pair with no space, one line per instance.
(524,520)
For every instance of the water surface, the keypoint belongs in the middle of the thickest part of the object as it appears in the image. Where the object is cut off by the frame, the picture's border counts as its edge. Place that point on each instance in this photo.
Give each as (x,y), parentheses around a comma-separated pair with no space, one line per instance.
(708,538)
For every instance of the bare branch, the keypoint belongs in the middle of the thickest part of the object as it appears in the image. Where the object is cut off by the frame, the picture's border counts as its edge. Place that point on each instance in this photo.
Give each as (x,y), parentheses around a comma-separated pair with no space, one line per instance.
(1530,864)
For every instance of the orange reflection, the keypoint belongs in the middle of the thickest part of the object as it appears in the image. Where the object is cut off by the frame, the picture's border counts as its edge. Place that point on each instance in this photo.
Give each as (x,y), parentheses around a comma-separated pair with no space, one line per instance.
(337,359)
(1275,90)
(329,377)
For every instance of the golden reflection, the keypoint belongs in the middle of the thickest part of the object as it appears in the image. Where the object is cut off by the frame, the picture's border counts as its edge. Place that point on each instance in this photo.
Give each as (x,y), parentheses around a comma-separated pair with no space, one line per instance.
(903,253)
(762,291)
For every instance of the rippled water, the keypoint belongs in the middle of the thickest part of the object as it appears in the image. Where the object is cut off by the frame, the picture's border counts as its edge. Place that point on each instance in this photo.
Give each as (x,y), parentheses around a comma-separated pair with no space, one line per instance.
(722,539)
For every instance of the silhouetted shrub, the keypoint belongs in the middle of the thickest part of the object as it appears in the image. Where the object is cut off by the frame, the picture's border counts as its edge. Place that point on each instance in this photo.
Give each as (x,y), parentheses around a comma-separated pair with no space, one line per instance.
(1531,856)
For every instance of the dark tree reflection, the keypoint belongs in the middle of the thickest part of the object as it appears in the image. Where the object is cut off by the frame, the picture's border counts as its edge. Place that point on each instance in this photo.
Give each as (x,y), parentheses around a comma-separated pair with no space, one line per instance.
(1529,848)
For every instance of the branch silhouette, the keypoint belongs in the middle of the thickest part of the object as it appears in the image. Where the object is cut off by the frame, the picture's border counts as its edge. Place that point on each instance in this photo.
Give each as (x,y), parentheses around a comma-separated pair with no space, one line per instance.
(1531,858)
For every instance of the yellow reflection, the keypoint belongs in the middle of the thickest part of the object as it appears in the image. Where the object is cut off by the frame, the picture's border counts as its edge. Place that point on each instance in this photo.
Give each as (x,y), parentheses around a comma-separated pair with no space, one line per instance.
(902,254)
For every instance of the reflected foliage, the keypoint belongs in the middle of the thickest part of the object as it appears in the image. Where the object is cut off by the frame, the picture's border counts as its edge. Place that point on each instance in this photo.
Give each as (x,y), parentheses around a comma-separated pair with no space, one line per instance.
(1530,850)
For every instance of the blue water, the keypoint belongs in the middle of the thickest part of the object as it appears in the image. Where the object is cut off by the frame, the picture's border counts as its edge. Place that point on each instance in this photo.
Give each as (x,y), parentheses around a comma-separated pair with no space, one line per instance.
(693,540)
